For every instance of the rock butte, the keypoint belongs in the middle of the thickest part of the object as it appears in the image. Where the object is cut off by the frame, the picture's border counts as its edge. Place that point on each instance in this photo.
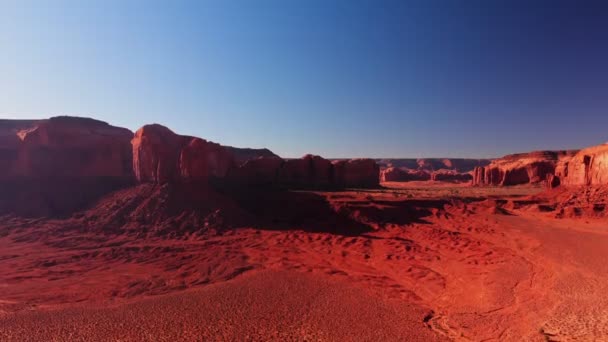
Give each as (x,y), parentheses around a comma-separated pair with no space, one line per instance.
(587,167)
(58,165)
(522,168)
(130,225)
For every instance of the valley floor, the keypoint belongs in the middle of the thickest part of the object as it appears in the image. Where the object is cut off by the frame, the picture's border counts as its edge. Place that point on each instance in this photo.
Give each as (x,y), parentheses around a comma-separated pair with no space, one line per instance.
(422,262)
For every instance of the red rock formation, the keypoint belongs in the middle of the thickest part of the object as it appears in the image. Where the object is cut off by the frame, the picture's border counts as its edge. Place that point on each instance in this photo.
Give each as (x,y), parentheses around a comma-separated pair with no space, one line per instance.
(432,164)
(63,147)
(257,171)
(450,176)
(393,174)
(356,173)
(54,166)
(242,155)
(161,156)
(523,168)
(588,167)
(200,160)
(308,171)
(552,181)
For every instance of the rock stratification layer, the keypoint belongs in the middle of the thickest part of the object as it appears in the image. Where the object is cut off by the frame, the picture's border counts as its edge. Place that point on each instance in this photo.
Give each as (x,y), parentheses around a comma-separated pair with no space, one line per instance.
(360,172)
(54,166)
(63,147)
(521,168)
(587,167)
(161,156)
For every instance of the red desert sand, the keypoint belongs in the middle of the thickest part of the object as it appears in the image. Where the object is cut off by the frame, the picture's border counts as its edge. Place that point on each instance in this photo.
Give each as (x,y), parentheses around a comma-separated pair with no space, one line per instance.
(312,250)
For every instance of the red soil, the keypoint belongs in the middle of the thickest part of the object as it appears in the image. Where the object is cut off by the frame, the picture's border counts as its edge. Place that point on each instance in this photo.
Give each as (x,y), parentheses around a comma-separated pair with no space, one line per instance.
(417,262)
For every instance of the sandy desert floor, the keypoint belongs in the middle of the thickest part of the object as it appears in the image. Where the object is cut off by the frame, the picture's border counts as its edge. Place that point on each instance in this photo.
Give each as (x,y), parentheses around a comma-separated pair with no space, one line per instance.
(408,262)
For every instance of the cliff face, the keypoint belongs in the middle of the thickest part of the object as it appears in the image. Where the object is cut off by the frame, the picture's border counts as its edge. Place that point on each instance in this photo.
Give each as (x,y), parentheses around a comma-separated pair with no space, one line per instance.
(394,174)
(356,173)
(587,167)
(63,147)
(161,156)
(243,154)
(522,168)
(54,166)
(460,165)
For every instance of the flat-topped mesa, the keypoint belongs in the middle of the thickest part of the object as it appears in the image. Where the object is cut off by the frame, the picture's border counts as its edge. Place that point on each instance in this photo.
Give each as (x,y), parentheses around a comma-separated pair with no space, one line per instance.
(63,147)
(587,167)
(521,168)
(361,172)
(55,166)
(451,176)
(395,174)
(245,154)
(461,165)
(161,156)
(308,172)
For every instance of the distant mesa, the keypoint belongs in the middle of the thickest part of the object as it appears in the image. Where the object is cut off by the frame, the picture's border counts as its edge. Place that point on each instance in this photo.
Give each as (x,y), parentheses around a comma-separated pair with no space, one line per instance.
(58,165)
(522,168)
(395,174)
(244,154)
(454,170)
(161,156)
(460,165)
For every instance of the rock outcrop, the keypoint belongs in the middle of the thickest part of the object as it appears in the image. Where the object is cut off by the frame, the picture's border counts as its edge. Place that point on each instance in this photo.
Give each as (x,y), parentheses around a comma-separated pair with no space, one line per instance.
(587,167)
(450,176)
(260,171)
(522,168)
(394,174)
(242,155)
(307,172)
(356,173)
(161,156)
(63,147)
(54,166)
(460,165)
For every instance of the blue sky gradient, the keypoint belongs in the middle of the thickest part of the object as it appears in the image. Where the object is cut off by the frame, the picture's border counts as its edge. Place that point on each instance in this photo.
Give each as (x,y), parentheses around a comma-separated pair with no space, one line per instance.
(339,78)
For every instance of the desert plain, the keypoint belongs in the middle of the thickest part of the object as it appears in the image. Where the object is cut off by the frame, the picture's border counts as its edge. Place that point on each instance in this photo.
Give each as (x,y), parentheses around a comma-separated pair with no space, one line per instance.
(160,237)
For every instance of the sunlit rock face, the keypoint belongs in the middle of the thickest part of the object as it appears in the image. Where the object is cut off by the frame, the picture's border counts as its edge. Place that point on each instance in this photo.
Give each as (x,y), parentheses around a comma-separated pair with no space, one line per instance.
(161,156)
(63,147)
(522,168)
(588,167)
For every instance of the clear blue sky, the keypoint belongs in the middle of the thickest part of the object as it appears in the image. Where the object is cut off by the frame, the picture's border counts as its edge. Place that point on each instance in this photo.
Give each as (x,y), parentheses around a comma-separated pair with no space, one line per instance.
(337,78)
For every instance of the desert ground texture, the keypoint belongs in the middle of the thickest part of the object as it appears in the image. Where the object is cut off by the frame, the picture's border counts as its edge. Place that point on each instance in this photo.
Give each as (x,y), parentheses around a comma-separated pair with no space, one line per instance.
(416,261)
